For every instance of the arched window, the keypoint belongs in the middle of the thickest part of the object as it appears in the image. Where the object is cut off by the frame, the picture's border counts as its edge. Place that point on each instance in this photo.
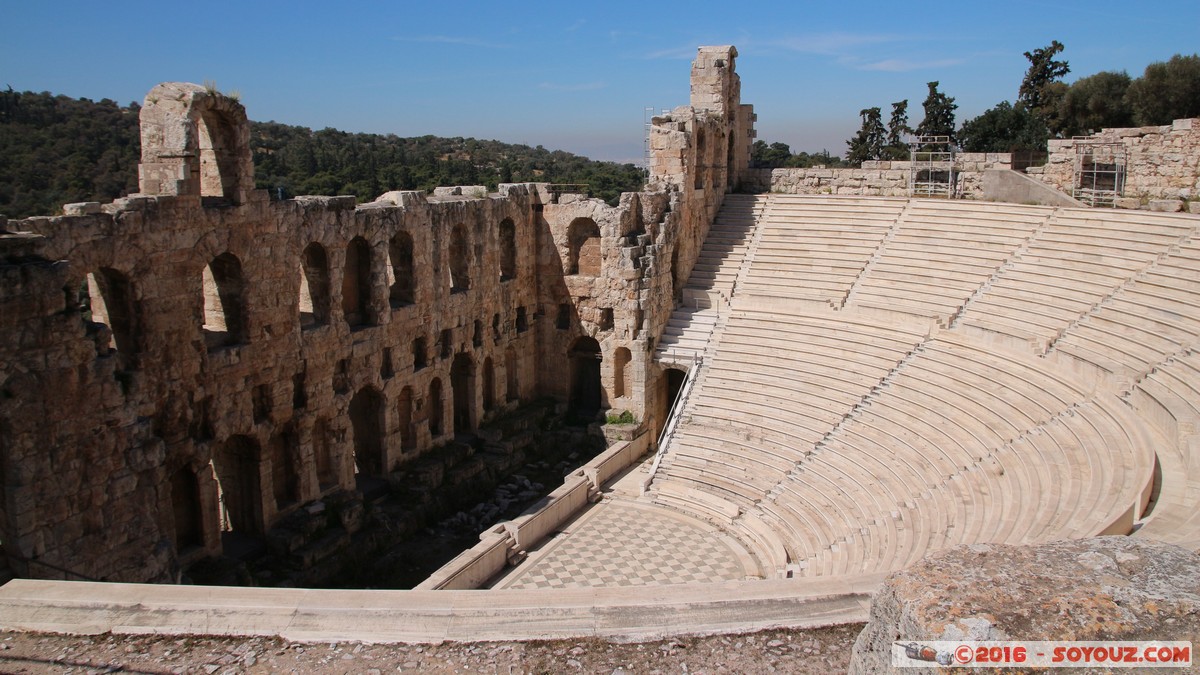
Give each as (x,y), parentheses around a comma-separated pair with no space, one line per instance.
(109,301)
(314,286)
(356,284)
(224,302)
(508,250)
(366,418)
(621,359)
(402,289)
(701,160)
(220,150)
(236,463)
(583,237)
(460,260)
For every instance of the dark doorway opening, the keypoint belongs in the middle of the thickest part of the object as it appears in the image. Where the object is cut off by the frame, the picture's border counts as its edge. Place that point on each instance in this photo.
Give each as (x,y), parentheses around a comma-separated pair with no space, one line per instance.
(586,394)
(462,381)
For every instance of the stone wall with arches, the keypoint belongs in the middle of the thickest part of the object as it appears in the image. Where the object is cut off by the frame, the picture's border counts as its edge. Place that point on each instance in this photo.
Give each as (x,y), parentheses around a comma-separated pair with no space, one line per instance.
(198,360)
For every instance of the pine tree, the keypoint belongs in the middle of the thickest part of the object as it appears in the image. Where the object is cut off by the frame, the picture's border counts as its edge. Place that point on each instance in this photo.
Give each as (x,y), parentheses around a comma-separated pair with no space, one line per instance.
(939,114)
(897,129)
(868,143)
(1043,70)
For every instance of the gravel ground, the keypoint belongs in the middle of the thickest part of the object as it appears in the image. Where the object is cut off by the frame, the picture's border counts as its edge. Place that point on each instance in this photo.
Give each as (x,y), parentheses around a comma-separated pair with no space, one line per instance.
(821,651)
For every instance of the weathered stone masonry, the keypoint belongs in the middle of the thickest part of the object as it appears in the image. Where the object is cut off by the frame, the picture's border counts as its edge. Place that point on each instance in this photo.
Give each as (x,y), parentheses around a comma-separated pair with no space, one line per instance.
(198,333)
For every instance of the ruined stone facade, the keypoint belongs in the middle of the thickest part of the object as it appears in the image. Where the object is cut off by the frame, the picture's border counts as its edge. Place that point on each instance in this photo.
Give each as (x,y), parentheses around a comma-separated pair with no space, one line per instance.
(878,178)
(197,358)
(1161,163)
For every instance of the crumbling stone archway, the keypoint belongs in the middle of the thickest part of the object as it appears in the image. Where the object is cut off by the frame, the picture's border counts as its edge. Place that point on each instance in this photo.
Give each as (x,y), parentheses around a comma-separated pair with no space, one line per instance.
(584,251)
(402,290)
(237,466)
(508,250)
(195,141)
(109,301)
(356,284)
(224,302)
(314,286)
(462,381)
(586,389)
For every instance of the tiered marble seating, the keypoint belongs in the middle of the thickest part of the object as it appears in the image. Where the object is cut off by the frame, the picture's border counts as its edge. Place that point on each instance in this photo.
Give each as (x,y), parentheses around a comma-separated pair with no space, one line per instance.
(1025,456)
(843,437)
(815,247)
(711,284)
(1144,322)
(942,252)
(1079,258)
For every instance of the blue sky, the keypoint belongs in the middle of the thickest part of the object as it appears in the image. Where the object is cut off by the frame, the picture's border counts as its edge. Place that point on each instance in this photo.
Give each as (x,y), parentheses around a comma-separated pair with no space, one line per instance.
(573,76)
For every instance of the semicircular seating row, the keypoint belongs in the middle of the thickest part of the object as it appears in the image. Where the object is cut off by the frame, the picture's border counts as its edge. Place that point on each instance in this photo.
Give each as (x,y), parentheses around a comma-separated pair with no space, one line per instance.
(853,435)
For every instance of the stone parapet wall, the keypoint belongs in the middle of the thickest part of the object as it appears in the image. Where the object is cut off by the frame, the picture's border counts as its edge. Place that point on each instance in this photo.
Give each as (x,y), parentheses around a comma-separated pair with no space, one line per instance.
(1162,163)
(874,178)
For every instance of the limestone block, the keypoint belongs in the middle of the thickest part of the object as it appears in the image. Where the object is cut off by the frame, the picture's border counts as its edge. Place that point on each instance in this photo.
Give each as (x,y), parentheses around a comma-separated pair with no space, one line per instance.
(1166,205)
(81,209)
(1106,588)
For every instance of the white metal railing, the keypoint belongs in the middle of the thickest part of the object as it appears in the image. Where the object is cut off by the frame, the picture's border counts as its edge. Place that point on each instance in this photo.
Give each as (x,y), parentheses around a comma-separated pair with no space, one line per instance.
(673,419)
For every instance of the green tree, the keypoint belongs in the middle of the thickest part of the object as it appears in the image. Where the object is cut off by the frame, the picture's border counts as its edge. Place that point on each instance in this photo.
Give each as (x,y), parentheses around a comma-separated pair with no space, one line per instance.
(898,128)
(867,144)
(1093,103)
(1004,128)
(939,114)
(770,156)
(1167,91)
(1043,70)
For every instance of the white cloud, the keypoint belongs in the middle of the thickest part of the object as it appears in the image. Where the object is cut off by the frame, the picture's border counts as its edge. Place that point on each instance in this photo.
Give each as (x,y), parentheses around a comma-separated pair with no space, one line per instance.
(907,65)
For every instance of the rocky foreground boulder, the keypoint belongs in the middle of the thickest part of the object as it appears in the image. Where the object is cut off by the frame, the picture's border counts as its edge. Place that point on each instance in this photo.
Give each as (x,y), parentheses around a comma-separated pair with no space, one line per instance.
(1106,588)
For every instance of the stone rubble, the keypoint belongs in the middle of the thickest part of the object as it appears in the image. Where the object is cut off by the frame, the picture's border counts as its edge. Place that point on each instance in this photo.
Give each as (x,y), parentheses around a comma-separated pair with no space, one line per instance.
(819,651)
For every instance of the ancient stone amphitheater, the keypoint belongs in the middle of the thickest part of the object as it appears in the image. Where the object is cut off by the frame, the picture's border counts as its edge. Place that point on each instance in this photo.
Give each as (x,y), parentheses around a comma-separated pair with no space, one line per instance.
(826,386)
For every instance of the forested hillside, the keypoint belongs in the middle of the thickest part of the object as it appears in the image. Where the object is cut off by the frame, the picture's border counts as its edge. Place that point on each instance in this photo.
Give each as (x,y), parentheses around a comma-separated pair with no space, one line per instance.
(56,150)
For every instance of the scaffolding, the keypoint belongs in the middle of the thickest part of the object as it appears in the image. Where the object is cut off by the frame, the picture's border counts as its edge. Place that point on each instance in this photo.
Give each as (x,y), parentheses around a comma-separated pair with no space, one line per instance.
(931,167)
(1099,172)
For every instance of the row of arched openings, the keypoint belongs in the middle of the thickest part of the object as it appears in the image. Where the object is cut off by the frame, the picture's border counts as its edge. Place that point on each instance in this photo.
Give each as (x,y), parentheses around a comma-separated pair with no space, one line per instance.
(225,288)
(237,464)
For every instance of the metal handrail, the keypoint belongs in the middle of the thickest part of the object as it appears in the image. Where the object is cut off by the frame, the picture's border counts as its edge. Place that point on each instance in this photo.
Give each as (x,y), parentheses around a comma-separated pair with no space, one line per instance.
(673,418)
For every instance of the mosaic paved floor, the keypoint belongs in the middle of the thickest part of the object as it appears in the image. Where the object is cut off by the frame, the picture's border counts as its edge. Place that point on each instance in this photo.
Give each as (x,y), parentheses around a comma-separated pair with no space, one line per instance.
(628,543)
